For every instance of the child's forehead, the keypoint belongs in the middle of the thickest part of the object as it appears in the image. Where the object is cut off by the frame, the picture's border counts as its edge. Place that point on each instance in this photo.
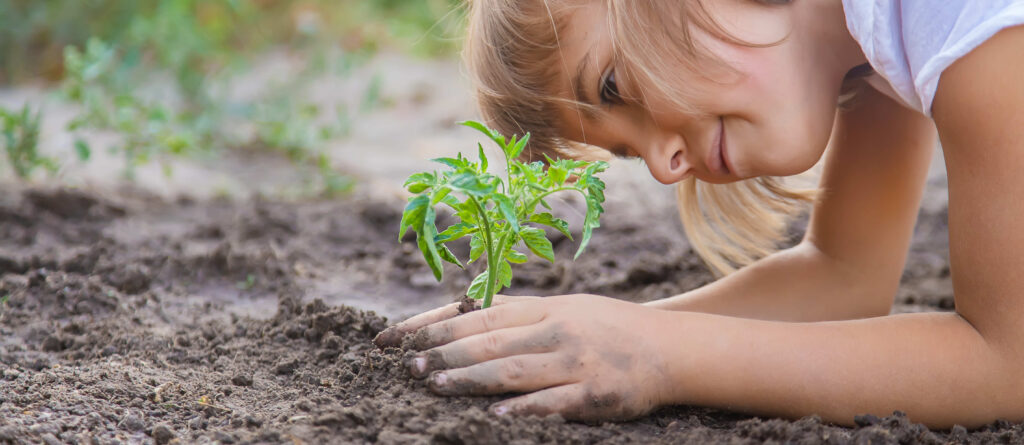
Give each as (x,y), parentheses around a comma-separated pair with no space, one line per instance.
(584,46)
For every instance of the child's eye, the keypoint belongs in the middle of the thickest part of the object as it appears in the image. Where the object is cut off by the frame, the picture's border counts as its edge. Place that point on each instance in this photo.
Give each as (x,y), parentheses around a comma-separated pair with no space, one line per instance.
(609,89)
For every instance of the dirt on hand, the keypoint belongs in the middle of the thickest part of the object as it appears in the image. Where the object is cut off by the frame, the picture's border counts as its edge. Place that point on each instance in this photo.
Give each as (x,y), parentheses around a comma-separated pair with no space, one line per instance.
(129,318)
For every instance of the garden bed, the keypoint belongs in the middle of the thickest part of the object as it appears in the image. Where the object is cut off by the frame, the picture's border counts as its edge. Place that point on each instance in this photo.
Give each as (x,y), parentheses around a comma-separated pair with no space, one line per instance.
(132,318)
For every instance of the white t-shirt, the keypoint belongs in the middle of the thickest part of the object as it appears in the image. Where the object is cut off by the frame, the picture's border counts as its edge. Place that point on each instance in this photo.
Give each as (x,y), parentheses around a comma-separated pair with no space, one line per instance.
(910,42)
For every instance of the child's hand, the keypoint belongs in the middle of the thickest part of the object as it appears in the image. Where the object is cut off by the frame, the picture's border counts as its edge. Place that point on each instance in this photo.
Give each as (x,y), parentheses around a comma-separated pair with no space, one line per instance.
(588,357)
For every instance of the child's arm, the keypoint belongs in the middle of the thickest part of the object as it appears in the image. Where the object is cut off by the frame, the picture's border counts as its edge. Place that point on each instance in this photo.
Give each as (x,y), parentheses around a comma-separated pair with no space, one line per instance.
(850,261)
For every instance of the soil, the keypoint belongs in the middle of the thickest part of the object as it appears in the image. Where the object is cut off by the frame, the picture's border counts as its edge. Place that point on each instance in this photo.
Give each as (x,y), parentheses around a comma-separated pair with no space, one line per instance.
(134,318)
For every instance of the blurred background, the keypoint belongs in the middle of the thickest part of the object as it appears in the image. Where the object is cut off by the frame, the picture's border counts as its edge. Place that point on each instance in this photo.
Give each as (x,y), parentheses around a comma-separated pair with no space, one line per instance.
(281,97)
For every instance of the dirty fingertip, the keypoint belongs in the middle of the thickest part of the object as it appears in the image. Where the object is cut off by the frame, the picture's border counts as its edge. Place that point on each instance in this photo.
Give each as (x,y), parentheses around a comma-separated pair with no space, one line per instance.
(389,337)
(416,364)
(499,409)
(439,383)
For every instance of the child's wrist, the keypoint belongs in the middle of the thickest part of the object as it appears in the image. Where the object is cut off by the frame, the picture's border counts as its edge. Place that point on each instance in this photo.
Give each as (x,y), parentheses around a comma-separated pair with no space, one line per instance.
(676,333)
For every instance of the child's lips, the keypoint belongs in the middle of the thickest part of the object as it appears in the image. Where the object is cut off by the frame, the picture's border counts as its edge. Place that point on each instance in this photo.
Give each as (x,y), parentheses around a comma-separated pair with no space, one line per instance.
(723,151)
(715,161)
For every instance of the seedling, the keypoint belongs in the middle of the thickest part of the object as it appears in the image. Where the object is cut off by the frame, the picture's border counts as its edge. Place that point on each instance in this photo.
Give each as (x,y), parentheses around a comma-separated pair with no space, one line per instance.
(497,213)
(19,137)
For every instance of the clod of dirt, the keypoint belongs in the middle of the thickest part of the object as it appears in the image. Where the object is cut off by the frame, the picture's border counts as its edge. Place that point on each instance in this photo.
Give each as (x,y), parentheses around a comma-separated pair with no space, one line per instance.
(131,279)
(71,204)
(163,434)
(242,380)
(467,305)
(132,421)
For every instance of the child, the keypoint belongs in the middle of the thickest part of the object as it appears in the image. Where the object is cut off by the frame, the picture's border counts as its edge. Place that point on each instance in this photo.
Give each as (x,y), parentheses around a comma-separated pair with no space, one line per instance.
(740,91)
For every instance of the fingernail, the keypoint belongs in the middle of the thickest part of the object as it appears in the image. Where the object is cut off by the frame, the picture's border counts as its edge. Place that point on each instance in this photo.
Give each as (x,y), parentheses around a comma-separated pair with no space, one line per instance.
(440,379)
(500,410)
(420,364)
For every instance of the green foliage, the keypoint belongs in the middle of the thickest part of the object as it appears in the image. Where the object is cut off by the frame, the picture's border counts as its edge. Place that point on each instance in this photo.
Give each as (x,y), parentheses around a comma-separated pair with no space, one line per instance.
(148,128)
(191,36)
(107,92)
(498,213)
(156,73)
(21,141)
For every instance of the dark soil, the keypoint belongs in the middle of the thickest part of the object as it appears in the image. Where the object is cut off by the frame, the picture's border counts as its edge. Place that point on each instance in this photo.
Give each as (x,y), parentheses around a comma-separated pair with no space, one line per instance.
(133,319)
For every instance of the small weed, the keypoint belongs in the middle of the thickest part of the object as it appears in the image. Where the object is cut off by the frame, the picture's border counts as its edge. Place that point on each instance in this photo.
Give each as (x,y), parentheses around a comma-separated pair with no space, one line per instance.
(250,281)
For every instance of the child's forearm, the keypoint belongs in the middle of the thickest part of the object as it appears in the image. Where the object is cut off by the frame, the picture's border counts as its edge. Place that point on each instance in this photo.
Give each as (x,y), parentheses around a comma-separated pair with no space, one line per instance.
(935,366)
(797,284)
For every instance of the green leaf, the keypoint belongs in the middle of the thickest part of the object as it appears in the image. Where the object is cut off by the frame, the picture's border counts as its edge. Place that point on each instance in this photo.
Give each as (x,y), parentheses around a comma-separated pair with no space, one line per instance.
(528,172)
(515,256)
(595,187)
(518,147)
(414,214)
(448,256)
(456,231)
(478,287)
(557,174)
(493,135)
(590,222)
(508,210)
(594,168)
(549,220)
(483,158)
(538,243)
(476,247)
(466,212)
(82,150)
(440,194)
(419,182)
(504,273)
(471,184)
(425,240)
(454,163)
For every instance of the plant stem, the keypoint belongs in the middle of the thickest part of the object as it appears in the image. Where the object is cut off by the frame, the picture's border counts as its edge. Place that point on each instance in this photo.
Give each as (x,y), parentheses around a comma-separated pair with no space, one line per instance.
(489,245)
(492,276)
(549,192)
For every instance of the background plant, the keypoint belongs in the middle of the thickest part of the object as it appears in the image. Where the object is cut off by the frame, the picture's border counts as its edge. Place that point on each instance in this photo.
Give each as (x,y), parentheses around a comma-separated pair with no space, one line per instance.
(498,213)
(110,56)
(21,141)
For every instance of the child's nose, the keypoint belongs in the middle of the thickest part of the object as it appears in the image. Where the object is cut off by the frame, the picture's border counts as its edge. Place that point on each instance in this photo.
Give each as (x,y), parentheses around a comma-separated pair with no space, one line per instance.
(667,160)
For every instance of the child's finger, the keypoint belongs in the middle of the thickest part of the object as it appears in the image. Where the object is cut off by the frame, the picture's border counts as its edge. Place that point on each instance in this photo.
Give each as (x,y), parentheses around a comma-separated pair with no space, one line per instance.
(481,348)
(493,318)
(574,402)
(518,373)
(392,336)
(565,400)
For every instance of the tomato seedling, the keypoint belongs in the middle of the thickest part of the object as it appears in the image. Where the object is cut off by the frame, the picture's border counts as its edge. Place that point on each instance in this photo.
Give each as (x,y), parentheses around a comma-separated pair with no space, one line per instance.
(497,213)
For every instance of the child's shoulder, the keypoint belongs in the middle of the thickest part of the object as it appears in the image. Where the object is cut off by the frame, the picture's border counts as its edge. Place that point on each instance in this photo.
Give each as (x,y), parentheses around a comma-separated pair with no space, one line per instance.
(910,43)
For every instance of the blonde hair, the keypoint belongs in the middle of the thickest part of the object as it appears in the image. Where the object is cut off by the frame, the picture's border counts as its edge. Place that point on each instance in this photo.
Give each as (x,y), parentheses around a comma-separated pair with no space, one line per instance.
(513,54)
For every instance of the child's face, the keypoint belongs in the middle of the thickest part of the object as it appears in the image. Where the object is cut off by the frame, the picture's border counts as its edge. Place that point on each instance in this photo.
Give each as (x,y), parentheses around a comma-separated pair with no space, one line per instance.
(771,115)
